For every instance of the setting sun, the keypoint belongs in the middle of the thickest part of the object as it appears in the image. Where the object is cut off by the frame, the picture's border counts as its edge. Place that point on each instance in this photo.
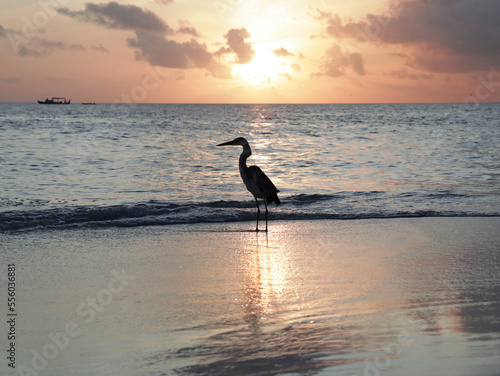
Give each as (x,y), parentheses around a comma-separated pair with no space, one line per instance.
(265,68)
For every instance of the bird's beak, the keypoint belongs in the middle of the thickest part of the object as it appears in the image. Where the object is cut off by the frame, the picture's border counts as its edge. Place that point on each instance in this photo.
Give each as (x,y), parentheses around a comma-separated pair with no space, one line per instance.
(226,143)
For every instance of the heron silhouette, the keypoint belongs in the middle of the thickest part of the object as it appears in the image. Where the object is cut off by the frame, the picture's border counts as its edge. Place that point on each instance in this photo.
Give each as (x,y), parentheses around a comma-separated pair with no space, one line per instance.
(257,183)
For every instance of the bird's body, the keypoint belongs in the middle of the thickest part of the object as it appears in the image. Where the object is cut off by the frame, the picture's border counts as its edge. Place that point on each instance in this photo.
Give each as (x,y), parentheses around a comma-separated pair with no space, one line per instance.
(256,181)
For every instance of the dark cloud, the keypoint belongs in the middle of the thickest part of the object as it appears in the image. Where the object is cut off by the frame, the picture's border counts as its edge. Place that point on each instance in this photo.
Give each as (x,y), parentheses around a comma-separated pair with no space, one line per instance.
(116,16)
(235,39)
(445,35)
(26,51)
(76,47)
(158,50)
(51,44)
(187,28)
(443,62)
(100,48)
(41,47)
(47,44)
(3,32)
(335,62)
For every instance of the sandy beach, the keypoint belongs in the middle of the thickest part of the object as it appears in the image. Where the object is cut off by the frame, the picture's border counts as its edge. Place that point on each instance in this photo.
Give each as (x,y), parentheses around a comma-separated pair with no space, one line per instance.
(364,297)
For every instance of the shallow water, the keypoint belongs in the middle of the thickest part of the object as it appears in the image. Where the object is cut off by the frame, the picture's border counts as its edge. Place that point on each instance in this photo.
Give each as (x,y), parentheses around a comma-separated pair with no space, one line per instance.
(365,297)
(129,165)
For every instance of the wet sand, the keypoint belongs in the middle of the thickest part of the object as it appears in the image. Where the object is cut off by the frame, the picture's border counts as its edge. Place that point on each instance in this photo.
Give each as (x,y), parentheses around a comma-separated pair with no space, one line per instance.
(365,297)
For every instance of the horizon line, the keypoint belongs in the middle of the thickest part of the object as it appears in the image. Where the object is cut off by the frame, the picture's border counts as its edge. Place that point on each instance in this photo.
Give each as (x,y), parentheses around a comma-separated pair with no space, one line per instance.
(254,103)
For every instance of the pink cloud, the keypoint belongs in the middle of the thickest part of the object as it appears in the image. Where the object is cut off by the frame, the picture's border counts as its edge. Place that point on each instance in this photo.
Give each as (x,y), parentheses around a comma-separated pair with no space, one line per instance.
(235,39)
(117,16)
(335,62)
(444,35)
(151,42)
(158,50)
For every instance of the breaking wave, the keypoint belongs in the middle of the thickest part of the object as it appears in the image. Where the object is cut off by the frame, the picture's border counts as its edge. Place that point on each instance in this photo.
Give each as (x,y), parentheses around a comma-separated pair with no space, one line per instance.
(344,205)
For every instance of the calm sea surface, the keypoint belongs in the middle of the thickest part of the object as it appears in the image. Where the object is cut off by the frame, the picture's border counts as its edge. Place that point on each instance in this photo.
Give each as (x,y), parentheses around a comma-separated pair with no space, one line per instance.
(128,165)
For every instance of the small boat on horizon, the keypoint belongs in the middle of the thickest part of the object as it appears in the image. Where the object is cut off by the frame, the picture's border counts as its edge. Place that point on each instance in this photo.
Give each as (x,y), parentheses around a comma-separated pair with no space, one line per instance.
(55,100)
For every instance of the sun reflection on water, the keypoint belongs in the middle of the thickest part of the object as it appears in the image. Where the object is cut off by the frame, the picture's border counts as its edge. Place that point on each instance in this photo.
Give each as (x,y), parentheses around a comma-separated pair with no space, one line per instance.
(267,276)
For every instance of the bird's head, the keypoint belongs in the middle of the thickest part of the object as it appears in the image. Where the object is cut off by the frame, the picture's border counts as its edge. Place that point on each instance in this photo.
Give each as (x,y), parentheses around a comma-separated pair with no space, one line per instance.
(237,141)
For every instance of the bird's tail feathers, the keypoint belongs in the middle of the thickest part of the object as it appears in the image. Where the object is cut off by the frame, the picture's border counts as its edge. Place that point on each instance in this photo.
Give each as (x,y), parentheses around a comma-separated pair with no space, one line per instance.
(274,199)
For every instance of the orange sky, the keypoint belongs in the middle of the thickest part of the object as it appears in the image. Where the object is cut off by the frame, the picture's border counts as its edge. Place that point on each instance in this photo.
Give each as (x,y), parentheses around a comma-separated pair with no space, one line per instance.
(235,51)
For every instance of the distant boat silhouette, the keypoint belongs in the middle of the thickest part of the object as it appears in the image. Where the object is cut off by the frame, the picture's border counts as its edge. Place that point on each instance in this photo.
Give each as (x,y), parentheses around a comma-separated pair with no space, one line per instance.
(55,100)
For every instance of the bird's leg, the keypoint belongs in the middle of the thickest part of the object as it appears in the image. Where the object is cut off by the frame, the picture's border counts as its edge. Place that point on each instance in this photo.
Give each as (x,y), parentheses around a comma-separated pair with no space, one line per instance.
(265,203)
(258,214)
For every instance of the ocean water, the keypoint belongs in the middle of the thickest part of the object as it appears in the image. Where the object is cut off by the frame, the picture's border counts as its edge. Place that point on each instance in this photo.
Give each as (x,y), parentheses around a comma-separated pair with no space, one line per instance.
(80,186)
(140,164)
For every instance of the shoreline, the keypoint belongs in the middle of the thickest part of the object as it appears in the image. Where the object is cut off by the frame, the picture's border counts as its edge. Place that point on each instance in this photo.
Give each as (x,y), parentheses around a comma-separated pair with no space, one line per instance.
(77,218)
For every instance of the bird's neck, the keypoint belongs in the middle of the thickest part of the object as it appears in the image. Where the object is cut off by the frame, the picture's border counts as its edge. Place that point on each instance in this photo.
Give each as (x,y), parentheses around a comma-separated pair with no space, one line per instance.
(244,156)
